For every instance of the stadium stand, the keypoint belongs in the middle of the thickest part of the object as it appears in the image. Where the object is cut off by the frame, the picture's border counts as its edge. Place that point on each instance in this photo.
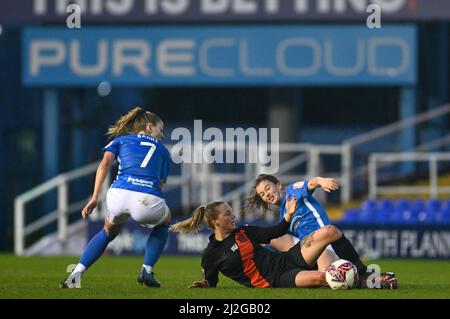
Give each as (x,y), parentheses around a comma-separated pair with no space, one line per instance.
(400,211)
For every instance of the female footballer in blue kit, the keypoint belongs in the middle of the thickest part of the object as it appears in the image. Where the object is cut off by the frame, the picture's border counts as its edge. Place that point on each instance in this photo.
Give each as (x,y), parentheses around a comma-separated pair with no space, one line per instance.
(309,217)
(143,168)
(268,191)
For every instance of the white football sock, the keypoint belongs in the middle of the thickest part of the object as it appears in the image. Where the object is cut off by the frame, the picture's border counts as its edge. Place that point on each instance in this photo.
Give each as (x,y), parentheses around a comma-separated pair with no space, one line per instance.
(79,268)
(148,268)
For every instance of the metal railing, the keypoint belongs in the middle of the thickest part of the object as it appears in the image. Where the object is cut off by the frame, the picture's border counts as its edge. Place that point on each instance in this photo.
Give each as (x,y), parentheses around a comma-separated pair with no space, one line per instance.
(60,182)
(309,154)
(433,188)
(349,146)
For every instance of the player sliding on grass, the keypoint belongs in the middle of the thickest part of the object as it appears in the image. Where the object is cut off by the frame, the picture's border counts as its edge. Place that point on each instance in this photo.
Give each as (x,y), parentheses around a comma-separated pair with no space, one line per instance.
(136,192)
(309,217)
(237,253)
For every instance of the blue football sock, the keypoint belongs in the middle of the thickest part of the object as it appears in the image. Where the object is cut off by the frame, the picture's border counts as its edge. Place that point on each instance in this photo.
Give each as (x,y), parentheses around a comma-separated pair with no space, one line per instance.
(155,244)
(95,248)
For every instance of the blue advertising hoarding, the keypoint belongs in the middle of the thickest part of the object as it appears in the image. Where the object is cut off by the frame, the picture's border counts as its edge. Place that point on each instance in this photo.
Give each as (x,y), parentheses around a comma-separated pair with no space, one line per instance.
(225,56)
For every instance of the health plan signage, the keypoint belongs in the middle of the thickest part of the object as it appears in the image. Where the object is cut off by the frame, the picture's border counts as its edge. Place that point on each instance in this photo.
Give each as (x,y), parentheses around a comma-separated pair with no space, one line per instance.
(225,56)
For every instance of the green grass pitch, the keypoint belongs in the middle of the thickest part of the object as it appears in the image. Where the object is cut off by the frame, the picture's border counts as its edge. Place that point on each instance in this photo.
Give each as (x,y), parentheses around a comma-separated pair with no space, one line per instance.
(115,277)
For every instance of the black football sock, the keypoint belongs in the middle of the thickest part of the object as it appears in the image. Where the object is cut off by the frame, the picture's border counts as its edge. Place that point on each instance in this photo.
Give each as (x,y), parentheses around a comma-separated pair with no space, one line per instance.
(345,250)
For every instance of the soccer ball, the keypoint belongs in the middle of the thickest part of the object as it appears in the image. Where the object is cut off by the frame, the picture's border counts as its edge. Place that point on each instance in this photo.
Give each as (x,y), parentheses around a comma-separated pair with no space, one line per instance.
(341,274)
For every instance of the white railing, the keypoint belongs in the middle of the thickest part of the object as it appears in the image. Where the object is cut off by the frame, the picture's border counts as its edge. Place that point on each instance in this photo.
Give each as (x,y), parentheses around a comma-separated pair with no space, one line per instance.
(425,147)
(206,184)
(309,154)
(60,182)
(349,145)
(433,188)
(64,207)
(199,183)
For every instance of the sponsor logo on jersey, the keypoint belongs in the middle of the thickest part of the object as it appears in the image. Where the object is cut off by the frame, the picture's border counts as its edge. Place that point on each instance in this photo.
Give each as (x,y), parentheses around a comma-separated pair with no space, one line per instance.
(298,185)
(140,182)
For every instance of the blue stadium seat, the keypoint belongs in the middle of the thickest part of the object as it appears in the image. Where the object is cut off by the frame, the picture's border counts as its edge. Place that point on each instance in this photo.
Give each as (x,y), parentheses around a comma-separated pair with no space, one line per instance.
(368,211)
(369,205)
(365,218)
(401,205)
(432,209)
(446,205)
(446,218)
(442,217)
(382,217)
(426,217)
(418,206)
(409,217)
(351,216)
(397,217)
(385,211)
(433,206)
(400,212)
(387,206)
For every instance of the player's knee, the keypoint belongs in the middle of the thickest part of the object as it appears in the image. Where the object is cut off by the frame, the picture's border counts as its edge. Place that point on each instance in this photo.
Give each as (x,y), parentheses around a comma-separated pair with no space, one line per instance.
(112,230)
(331,232)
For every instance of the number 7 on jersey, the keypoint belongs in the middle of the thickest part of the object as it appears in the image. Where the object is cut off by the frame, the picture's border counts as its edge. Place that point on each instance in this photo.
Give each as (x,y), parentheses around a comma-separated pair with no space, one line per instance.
(149,153)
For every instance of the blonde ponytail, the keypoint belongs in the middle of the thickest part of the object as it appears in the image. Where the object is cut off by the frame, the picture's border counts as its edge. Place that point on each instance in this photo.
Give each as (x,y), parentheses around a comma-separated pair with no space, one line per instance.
(192,224)
(207,213)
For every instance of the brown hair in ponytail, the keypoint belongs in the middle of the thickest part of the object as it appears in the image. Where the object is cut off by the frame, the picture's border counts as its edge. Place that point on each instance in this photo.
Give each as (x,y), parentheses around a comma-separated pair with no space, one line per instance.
(133,122)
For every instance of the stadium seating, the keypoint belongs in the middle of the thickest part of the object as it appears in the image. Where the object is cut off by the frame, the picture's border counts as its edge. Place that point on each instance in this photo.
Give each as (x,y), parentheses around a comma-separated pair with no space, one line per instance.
(399,212)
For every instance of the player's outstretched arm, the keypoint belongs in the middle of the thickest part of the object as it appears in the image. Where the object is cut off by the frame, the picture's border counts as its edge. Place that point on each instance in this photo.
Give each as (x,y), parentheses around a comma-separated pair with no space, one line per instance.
(102,172)
(327,184)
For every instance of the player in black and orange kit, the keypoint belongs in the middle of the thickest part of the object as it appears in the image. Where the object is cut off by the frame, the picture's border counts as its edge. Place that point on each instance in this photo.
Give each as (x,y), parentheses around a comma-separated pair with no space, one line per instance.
(237,253)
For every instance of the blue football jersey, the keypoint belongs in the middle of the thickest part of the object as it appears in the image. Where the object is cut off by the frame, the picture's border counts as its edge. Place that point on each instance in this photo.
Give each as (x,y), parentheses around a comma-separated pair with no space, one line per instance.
(143,163)
(309,216)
